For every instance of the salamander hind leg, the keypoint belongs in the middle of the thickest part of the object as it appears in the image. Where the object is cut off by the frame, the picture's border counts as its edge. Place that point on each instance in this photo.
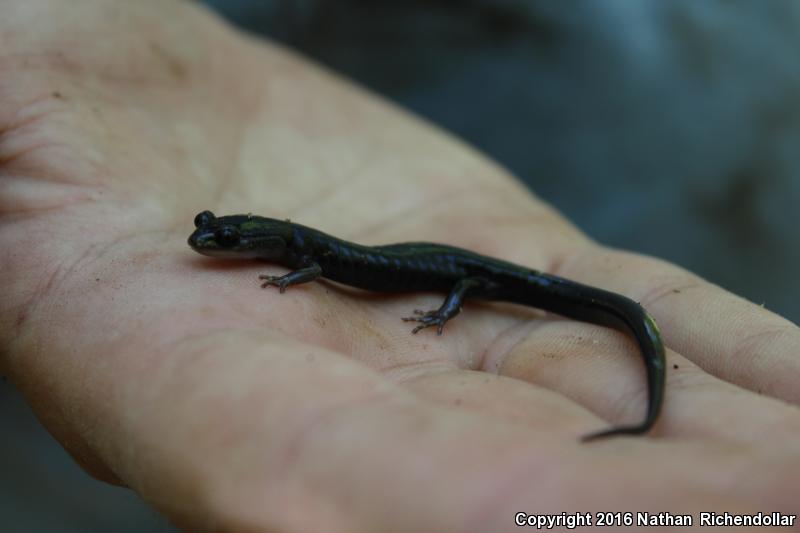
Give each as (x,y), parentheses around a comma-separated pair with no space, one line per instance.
(427,319)
(449,308)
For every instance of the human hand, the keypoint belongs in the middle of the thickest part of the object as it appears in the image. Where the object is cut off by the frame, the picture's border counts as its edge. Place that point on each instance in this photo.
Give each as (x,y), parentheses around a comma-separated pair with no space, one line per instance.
(229,406)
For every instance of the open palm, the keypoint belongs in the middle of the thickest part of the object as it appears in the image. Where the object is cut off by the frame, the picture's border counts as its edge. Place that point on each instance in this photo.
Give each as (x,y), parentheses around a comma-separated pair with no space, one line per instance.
(226,405)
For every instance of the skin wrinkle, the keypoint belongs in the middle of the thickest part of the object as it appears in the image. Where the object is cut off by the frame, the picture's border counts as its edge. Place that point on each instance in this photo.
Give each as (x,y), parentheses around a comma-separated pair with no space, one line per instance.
(359,403)
(47,177)
(726,365)
(398,216)
(687,377)
(417,210)
(171,68)
(674,287)
(628,402)
(433,206)
(751,341)
(57,278)
(232,165)
(47,61)
(332,189)
(410,373)
(329,190)
(558,261)
(525,404)
(12,160)
(174,359)
(21,214)
(307,428)
(625,403)
(740,354)
(690,379)
(57,61)
(64,275)
(504,343)
(12,128)
(223,186)
(574,264)
(264,100)
(38,122)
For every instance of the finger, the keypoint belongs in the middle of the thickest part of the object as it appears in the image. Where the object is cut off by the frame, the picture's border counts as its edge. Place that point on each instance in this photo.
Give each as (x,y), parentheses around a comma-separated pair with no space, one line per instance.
(515,401)
(601,369)
(251,428)
(727,336)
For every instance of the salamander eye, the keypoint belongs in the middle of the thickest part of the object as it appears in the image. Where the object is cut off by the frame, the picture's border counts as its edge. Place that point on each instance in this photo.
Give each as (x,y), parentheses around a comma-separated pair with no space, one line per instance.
(203,219)
(227,236)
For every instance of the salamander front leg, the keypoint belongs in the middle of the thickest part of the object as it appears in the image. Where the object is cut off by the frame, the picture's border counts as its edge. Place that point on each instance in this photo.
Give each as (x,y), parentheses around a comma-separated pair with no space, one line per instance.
(449,308)
(303,275)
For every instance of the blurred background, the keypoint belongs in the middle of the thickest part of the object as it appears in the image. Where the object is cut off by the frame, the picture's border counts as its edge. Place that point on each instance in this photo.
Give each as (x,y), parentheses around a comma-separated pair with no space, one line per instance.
(667,128)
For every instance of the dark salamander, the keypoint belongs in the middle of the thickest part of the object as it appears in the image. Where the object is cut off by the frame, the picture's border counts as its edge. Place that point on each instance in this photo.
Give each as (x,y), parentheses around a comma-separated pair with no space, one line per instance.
(422,267)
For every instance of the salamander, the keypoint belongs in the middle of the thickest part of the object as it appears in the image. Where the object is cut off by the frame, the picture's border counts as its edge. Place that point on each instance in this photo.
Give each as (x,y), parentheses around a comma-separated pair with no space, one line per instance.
(429,267)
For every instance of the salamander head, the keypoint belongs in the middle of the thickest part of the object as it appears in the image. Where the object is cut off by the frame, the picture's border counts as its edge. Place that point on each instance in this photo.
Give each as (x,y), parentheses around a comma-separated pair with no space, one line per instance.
(240,236)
